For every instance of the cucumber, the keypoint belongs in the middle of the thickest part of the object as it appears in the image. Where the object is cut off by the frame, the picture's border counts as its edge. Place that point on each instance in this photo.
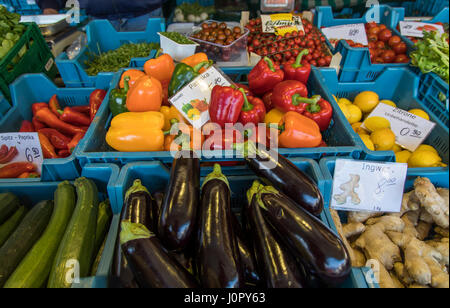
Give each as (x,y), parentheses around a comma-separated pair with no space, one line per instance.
(21,241)
(35,268)
(79,239)
(9,204)
(103,223)
(11,224)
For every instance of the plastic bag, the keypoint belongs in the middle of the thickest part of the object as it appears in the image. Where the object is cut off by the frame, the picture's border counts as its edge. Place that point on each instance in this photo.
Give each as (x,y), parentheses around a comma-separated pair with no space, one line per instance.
(74,49)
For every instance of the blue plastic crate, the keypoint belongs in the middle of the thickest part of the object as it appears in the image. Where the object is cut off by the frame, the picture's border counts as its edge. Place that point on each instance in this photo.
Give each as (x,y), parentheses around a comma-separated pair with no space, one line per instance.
(5,106)
(33,88)
(427,7)
(23,7)
(94,148)
(104,176)
(399,85)
(102,37)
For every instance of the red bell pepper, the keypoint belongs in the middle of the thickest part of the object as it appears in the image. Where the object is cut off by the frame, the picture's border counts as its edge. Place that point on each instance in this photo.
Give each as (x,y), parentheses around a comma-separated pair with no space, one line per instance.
(263,136)
(246,89)
(226,105)
(253,110)
(76,118)
(44,115)
(37,124)
(54,106)
(47,148)
(74,142)
(14,170)
(8,155)
(264,76)
(287,96)
(58,140)
(298,71)
(95,101)
(320,111)
(26,127)
(267,99)
(36,106)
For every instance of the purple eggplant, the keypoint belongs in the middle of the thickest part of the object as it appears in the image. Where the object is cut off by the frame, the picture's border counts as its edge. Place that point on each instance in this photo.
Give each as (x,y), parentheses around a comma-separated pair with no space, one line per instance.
(321,252)
(179,209)
(152,266)
(278,268)
(159,199)
(218,260)
(285,176)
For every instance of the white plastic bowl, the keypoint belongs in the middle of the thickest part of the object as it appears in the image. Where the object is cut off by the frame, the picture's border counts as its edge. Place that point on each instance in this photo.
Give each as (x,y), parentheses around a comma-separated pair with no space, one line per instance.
(177,51)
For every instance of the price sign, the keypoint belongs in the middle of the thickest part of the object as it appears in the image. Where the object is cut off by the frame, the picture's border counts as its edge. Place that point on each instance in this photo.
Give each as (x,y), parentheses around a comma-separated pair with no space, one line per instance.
(21,147)
(193,100)
(410,130)
(281,23)
(354,32)
(415,29)
(368,186)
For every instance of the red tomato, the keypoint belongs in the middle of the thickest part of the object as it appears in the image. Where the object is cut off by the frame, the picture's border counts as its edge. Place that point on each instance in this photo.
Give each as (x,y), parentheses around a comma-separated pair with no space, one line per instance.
(385,35)
(388,56)
(374,30)
(313,62)
(371,25)
(372,45)
(308,57)
(321,62)
(373,38)
(378,60)
(380,45)
(400,48)
(382,27)
(402,58)
(394,40)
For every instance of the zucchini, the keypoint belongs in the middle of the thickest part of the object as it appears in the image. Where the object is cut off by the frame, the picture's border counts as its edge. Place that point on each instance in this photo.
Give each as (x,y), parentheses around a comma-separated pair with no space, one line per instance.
(79,239)
(34,270)
(21,241)
(98,258)
(9,204)
(11,224)
(103,223)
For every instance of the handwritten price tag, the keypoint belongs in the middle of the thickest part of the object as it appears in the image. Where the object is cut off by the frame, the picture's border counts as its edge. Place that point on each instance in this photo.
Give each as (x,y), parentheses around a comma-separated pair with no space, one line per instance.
(415,29)
(21,147)
(354,32)
(368,186)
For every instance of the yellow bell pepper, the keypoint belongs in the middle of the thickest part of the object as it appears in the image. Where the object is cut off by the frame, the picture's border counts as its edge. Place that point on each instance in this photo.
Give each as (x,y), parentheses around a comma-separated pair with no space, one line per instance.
(137,132)
(274,116)
(170,114)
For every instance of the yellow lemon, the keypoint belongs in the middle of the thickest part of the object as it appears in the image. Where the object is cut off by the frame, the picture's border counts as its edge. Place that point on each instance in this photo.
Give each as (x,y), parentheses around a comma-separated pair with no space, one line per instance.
(388,102)
(402,157)
(420,113)
(367,101)
(376,123)
(423,159)
(425,147)
(397,148)
(355,114)
(368,142)
(344,101)
(344,110)
(358,129)
(383,139)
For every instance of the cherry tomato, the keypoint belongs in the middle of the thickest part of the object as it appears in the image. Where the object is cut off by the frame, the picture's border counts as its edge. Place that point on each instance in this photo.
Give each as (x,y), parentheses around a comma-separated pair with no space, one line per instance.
(309,57)
(321,62)
(385,35)
(394,40)
(400,48)
(313,62)
(316,55)
(310,44)
(388,56)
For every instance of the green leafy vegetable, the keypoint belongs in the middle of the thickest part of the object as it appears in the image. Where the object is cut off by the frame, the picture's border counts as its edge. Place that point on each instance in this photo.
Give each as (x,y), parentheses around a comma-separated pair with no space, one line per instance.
(10,30)
(178,38)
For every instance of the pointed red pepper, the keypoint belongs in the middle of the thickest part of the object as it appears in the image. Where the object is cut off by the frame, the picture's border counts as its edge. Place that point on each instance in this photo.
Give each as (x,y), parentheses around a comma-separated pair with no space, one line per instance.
(58,140)
(95,101)
(264,76)
(14,170)
(298,71)
(47,117)
(54,106)
(86,110)
(74,142)
(286,96)
(253,110)
(319,110)
(226,105)
(26,127)
(35,107)
(38,124)
(76,118)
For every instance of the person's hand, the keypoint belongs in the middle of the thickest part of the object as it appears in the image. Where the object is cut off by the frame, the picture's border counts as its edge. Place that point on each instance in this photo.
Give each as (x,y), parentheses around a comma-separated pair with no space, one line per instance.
(50,12)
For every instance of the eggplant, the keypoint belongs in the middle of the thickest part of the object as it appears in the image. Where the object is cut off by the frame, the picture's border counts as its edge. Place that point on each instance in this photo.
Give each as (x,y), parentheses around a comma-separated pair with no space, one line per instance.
(285,176)
(321,252)
(218,260)
(179,208)
(137,209)
(152,266)
(159,198)
(278,268)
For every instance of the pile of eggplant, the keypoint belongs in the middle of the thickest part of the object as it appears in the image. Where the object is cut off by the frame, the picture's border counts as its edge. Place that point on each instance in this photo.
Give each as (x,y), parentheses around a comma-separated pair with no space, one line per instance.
(188,236)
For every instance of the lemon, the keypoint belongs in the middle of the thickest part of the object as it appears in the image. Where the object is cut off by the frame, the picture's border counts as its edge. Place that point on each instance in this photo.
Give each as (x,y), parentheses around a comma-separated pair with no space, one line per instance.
(425,147)
(402,157)
(355,114)
(367,101)
(376,123)
(397,148)
(420,113)
(368,142)
(383,139)
(344,110)
(344,101)
(424,159)
(388,102)
(358,129)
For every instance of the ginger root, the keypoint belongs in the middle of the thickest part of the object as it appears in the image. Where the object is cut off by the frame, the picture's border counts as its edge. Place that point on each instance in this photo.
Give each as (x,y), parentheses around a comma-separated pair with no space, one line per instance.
(353,229)
(423,230)
(403,274)
(362,216)
(433,203)
(443,247)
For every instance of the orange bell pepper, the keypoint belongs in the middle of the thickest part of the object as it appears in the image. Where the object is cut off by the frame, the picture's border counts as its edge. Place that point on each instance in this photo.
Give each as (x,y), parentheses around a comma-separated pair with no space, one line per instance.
(196,59)
(134,75)
(145,95)
(161,67)
(298,131)
(175,142)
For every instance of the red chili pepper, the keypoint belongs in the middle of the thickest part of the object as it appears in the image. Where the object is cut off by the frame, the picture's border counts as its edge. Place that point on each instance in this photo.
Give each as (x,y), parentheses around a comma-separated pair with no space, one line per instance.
(14,170)
(264,76)
(253,110)
(298,71)
(86,110)
(58,140)
(46,116)
(9,155)
(28,175)
(64,153)
(76,118)
(74,142)
(286,96)
(54,106)
(95,101)
(3,150)
(320,111)
(37,124)
(267,99)
(35,107)
(26,127)
(47,148)
(226,105)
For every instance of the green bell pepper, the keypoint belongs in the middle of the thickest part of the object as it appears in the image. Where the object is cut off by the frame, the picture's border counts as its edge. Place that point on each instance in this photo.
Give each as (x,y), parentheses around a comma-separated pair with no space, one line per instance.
(118,99)
(184,74)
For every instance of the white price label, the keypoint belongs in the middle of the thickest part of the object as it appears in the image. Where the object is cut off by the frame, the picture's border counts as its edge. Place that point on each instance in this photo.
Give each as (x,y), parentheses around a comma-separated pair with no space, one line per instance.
(415,29)
(354,32)
(410,130)
(21,147)
(368,186)
(193,100)
(279,22)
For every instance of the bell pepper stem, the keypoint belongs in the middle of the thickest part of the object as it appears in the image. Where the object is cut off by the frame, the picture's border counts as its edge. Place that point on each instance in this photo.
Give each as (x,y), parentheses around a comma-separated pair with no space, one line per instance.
(158,53)
(297,100)
(298,61)
(204,64)
(126,82)
(247,106)
(269,64)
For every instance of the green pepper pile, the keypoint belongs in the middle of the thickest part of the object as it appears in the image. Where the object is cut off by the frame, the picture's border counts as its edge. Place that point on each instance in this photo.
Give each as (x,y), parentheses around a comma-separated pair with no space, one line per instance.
(10,31)
(114,60)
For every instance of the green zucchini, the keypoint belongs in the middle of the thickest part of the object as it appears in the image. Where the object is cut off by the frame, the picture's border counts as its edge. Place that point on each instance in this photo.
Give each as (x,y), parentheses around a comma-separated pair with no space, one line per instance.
(35,268)
(21,241)
(9,204)
(11,224)
(79,239)
(103,223)
(98,258)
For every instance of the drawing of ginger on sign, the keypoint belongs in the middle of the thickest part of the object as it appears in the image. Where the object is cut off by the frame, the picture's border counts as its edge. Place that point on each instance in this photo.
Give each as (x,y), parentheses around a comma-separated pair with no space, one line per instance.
(349,190)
